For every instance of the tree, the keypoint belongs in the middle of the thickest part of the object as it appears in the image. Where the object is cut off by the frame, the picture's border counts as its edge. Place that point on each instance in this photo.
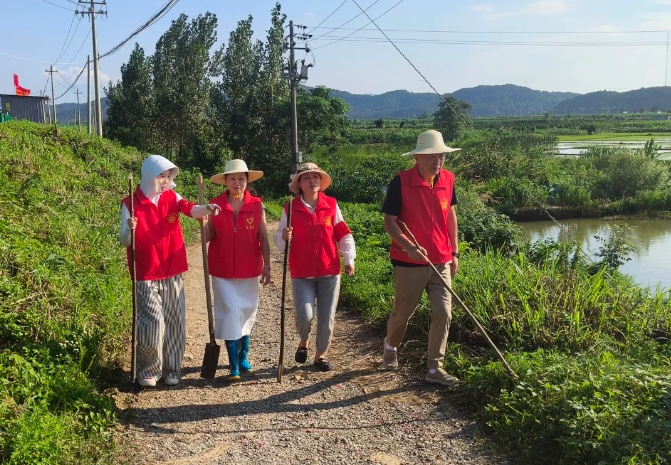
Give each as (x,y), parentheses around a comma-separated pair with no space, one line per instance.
(181,67)
(452,117)
(131,103)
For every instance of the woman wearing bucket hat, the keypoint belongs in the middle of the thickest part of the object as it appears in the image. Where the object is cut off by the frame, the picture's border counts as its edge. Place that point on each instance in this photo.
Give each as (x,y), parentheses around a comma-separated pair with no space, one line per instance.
(239,254)
(160,260)
(318,231)
(424,198)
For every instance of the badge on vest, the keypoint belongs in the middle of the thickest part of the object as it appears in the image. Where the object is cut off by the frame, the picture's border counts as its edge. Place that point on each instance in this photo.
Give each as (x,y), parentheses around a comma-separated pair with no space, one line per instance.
(172,217)
(327,221)
(250,223)
(443,204)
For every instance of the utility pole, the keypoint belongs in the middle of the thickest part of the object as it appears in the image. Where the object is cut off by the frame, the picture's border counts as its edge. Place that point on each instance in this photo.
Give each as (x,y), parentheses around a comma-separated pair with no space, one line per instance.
(96,72)
(51,72)
(88,93)
(79,112)
(291,73)
(666,67)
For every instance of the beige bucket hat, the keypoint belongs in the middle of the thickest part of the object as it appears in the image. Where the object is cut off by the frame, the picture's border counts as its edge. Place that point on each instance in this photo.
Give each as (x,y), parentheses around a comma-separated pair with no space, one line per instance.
(309,168)
(430,141)
(236,166)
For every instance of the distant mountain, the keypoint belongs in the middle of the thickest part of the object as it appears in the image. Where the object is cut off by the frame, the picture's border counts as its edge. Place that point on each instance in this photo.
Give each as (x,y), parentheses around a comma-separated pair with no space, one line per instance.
(510,99)
(65,112)
(647,98)
(505,99)
(394,104)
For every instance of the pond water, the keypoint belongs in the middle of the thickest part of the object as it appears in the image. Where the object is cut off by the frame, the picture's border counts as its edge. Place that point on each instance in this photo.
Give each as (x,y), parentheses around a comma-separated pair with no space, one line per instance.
(569,148)
(650,263)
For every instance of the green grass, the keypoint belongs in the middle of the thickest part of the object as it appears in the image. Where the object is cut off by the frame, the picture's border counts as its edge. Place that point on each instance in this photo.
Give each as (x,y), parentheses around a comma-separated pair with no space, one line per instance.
(594,387)
(64,292)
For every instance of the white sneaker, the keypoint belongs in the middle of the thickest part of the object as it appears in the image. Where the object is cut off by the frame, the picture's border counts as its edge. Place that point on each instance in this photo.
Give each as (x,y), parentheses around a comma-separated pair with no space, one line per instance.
(171,380)
(147,382)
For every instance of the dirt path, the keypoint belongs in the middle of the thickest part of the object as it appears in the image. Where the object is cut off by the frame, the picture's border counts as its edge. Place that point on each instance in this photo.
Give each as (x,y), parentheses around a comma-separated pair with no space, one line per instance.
(356,413)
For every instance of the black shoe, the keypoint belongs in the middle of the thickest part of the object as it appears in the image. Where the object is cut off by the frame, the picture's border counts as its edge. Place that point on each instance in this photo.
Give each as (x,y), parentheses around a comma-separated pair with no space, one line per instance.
(323,365)
(301,355)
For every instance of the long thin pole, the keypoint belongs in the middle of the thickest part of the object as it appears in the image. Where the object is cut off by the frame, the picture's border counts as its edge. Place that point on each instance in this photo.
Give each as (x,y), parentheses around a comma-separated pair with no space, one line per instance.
(96,71)
(666,68)
(79,113)
(53,99)
(88,93)
(294,116)
(461,304)
(133,370)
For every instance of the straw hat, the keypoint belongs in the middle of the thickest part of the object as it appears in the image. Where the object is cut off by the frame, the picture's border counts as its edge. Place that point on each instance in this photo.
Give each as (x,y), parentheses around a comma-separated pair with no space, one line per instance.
(236,166)
(309,168)
(430,141)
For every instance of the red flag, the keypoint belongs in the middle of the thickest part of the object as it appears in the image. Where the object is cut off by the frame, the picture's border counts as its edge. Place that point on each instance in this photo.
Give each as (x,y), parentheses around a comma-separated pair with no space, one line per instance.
(18,89)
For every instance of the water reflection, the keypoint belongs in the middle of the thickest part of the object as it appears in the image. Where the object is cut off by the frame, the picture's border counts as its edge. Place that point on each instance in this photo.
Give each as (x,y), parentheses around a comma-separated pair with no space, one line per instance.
(650,262)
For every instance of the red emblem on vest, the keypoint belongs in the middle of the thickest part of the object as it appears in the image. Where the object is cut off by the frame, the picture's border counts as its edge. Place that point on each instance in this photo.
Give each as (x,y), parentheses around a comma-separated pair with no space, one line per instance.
(172,218)
(327,221)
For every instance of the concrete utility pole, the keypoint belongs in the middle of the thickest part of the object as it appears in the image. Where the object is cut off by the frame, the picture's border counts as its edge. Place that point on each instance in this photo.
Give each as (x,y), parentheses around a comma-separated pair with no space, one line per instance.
(79,112)
(51,72)
(88,93)
(96,72)
(291,73)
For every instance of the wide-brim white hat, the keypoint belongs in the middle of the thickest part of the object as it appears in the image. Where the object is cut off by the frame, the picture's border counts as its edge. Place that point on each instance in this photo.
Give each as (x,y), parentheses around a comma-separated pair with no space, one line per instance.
(430,141)
(236,166)
(309,168)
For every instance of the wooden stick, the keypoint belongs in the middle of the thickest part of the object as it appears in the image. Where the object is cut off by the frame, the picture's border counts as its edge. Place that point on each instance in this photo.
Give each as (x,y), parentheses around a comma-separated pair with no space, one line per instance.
(133,370)
(206,270)
(460,303)
(280,363)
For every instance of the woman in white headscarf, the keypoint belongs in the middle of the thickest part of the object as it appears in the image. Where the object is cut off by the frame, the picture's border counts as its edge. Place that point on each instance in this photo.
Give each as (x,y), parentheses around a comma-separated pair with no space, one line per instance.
(160,260)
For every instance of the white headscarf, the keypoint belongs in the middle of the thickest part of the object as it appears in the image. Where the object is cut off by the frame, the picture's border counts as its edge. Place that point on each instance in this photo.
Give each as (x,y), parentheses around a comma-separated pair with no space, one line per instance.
(153,166)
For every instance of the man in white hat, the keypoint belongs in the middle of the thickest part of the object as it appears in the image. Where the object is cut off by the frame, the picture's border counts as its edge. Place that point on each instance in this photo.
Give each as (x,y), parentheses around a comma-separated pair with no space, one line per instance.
(424,198)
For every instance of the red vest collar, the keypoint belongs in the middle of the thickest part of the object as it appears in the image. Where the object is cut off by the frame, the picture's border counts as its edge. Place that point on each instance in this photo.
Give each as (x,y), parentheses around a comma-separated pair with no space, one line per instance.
(416,179)
(322,204)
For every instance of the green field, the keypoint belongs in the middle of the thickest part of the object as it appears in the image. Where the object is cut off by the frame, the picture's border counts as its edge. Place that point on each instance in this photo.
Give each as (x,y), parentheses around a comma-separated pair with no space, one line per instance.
(614,136)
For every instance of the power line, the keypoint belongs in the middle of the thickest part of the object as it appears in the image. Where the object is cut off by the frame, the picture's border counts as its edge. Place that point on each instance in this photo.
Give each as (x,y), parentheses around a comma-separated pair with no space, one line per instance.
(29,59)
(336,41)
(348,38)
(67,36)
(452,31)
(59,6)
(347,22)
(332,13)
(153,19)
(80,49)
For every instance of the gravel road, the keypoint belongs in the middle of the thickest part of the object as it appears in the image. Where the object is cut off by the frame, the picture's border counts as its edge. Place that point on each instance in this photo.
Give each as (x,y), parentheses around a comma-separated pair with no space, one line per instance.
(357,413)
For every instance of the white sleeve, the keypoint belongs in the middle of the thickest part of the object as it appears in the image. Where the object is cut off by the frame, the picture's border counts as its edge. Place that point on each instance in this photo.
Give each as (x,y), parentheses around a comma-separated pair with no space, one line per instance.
(124,234)
(346,243)
(277,238)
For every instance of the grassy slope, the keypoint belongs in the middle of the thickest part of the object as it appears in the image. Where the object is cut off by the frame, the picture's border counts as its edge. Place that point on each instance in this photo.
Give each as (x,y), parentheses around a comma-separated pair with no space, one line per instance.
(64,300)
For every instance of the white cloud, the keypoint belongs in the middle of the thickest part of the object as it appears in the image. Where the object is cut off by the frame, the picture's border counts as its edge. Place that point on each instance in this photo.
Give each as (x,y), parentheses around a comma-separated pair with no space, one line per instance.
(660,2)
(659,21)
(310,15)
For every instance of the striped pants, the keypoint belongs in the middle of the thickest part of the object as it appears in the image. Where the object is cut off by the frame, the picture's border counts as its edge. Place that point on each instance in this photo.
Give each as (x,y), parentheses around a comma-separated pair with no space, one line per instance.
(161,327)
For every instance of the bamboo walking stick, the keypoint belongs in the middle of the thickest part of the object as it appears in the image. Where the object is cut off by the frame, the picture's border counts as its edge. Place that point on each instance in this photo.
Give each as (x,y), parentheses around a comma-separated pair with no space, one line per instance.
(133,368)
(461,304)
(280,363)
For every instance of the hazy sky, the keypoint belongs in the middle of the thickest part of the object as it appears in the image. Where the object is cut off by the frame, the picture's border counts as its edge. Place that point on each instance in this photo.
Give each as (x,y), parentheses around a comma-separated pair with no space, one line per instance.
(607,44)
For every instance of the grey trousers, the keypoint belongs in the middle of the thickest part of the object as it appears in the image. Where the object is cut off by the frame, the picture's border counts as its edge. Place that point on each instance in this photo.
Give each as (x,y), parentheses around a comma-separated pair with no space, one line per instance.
(161,327)
(326,291)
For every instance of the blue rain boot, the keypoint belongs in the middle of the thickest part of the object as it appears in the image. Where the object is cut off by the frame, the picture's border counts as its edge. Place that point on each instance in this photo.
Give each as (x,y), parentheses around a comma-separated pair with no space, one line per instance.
(244,349)
(232,349)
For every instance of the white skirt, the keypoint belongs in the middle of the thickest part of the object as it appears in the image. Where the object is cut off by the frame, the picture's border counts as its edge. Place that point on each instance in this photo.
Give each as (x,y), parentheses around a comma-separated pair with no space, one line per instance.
(235,305)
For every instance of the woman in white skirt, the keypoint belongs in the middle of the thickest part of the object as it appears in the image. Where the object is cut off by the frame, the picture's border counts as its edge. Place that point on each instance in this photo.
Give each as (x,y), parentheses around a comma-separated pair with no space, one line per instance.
(238,259)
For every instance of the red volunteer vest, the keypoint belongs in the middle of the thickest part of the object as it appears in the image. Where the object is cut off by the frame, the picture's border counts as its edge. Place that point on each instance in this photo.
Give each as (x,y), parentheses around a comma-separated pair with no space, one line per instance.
(424,210)
(235,252)
(314,251)
(159,244)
